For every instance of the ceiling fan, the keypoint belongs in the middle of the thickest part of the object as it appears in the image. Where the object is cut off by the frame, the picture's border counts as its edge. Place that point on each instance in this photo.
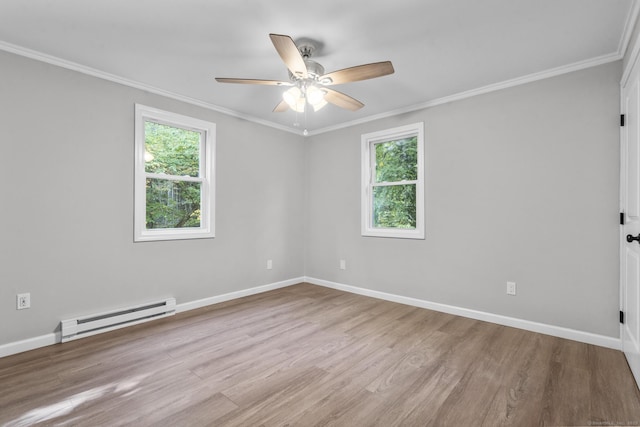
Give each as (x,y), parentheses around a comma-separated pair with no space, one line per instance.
(308,81)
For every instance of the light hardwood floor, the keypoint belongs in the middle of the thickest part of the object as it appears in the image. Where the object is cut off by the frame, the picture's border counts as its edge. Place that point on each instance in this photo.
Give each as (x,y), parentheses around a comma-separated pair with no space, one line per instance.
(306,356)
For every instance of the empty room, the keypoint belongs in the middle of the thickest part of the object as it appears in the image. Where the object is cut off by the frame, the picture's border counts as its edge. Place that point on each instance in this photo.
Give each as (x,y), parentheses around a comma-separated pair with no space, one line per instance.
(245,213)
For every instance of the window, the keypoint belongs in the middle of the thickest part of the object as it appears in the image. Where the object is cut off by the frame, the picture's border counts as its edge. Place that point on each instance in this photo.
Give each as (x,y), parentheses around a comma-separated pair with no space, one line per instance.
(393,183)
(174,188)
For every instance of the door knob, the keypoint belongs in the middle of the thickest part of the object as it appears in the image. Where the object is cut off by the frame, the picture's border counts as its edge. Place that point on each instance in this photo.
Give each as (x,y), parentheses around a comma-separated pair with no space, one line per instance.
(630,238)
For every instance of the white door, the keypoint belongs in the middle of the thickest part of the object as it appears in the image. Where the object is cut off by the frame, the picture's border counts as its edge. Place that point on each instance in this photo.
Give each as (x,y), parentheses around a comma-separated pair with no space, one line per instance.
(630,230)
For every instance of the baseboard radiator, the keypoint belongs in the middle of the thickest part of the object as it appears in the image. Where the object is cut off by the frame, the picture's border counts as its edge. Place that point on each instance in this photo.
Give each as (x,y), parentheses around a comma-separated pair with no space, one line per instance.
(81,327)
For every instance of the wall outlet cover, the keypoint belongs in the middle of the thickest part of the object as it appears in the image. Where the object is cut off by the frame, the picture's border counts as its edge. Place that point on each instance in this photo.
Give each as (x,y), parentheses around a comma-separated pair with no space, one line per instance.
(23,301)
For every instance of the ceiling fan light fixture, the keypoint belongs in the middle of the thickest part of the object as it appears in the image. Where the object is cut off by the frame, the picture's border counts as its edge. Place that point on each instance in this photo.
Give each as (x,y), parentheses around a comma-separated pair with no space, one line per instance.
(291,96)
(295,99)
(299,105)
(319,105)
(314,95)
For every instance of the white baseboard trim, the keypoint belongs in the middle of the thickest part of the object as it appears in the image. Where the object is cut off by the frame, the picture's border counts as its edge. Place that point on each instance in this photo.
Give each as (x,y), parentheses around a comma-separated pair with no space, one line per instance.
(556,331)
(192,305)
(54,338)
(29,344)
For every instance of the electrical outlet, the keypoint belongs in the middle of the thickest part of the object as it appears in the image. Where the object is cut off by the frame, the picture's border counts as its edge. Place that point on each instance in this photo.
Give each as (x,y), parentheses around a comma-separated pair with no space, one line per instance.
(269,264)
(511,288)
(23,301)
(343,264)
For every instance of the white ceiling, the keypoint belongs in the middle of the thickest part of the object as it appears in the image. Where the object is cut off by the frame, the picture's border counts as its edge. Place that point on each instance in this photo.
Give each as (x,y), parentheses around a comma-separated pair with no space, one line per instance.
(439,48)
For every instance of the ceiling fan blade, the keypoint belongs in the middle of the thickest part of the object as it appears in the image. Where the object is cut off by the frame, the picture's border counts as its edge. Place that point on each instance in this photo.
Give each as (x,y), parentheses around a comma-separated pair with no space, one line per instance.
(360,72)
(342,100)
(289,53)
(253,81)
(281,107)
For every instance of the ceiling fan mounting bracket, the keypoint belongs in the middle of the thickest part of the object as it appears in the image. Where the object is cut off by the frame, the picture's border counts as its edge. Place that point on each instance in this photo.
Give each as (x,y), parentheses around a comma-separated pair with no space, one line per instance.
(307,47)
(306,50)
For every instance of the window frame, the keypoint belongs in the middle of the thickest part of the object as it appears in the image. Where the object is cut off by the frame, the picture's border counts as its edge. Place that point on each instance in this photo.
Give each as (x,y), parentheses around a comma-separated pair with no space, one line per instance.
(368,142)
(206,176)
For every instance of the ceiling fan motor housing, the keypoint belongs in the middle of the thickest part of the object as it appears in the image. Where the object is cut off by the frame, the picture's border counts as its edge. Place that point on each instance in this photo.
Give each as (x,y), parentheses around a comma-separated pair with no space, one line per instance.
(314,70)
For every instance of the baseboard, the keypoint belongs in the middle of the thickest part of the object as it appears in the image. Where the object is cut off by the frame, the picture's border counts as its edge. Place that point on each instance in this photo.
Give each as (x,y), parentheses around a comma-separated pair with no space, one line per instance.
(556,331)
(54,338)
(29,344)
(192,305)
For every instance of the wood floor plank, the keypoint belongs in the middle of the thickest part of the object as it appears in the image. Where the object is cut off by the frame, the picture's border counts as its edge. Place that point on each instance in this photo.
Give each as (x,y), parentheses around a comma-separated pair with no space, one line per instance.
(138,400)
(203,413)
(400,375)
(341,409)
(607,404)
(567,399)
(523,380)
(475,389)
(306,355)
(271,361)
(260,400)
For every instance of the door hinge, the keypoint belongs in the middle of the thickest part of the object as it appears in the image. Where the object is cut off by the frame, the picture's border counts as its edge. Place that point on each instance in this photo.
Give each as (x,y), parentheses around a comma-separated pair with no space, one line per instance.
(621,218)
(622,317)
(621,119)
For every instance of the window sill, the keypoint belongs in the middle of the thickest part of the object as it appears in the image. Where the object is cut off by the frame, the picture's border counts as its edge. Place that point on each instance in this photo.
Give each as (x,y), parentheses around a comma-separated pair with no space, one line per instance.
(394,233)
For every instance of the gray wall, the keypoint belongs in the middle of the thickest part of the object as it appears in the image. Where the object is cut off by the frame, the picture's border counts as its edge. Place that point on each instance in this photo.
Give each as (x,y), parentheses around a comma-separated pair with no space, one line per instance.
(66,167)
(521,185)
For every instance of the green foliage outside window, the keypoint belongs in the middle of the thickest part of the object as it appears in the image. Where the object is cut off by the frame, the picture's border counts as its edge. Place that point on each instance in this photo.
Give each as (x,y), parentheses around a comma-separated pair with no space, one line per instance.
(172,151)
(394,206)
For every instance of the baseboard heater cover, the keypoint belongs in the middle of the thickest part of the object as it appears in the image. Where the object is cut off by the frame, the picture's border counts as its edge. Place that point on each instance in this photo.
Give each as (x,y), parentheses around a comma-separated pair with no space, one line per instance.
(81,327)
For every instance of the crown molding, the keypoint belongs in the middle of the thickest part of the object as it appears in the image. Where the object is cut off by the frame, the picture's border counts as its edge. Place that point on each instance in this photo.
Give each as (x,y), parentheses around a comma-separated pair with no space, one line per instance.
(624,42)
(74,66)
(576,66)
(629,25)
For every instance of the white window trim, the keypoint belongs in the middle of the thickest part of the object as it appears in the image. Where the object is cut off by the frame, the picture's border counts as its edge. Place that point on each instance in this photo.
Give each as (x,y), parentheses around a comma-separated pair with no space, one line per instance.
(367,142)
(207,167)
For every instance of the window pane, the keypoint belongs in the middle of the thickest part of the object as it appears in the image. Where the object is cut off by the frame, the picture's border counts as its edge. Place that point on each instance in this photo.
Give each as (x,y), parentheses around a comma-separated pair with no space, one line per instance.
(171,150)
(172,204)
(394,206)
(397,160)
